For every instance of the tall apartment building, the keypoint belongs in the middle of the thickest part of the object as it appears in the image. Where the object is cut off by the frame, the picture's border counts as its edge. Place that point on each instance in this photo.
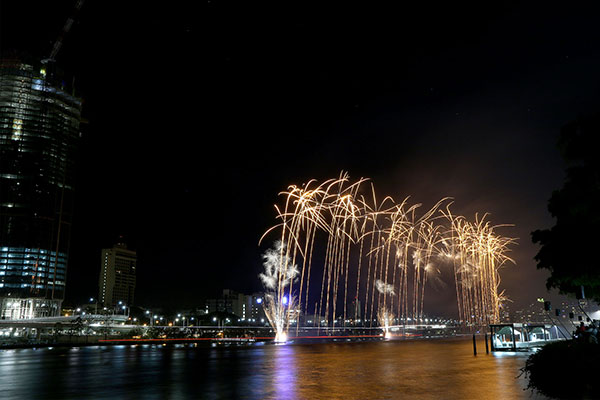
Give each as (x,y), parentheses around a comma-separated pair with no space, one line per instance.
(39,135)
(117,275)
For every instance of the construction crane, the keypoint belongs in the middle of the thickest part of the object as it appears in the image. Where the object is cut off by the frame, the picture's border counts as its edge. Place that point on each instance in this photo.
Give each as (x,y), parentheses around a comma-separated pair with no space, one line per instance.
(50,61)
(65,30)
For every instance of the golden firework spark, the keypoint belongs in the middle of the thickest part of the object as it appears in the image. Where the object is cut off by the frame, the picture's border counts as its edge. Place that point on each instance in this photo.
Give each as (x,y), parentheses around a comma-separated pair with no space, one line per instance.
(388,248)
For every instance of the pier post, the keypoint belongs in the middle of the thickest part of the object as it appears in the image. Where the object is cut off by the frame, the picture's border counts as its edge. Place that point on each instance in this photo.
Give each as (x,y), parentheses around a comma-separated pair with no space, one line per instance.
(487,349)
(474,346)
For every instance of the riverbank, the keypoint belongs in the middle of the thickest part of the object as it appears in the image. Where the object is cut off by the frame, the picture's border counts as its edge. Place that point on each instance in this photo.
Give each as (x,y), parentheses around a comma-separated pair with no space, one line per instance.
(86,341)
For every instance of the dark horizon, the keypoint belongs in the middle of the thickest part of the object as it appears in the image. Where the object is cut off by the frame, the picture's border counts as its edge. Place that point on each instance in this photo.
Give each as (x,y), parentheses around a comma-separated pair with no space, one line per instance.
(198,117)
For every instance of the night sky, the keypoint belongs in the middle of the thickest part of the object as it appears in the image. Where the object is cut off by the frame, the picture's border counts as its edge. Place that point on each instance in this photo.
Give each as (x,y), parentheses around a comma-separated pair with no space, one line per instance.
(199,115)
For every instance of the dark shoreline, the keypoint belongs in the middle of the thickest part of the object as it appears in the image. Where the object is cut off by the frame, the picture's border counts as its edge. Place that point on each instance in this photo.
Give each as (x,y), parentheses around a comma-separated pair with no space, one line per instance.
(209,342)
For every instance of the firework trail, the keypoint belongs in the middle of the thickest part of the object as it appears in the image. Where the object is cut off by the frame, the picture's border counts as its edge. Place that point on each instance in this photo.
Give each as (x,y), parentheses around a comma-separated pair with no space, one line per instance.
(390,249)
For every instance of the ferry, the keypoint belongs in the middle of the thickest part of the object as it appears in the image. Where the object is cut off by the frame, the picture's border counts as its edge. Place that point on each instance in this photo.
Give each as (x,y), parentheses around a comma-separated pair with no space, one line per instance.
(519,336)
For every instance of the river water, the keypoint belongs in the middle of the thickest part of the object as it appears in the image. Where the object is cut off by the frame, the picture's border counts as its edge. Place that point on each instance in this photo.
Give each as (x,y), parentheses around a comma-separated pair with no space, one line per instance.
(417,369)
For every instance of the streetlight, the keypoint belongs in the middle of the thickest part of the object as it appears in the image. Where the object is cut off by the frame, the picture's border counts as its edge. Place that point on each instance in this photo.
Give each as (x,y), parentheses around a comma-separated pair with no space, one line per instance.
(95,305)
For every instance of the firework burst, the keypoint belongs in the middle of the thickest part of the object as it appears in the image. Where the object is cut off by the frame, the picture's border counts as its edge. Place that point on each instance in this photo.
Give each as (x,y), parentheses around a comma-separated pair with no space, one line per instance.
(390,249)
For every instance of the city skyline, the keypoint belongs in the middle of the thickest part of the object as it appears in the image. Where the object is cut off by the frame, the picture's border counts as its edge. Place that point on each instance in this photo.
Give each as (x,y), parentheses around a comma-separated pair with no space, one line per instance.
(271,200)
(163,162)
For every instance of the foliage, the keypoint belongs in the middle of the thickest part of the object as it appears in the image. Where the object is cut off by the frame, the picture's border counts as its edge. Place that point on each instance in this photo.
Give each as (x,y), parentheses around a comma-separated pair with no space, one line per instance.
(565,370)
(568,248)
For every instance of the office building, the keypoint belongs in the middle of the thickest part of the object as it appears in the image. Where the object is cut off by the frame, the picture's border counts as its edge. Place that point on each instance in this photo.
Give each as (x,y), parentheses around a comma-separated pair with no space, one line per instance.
(39,135)
(249,308)
(116,285)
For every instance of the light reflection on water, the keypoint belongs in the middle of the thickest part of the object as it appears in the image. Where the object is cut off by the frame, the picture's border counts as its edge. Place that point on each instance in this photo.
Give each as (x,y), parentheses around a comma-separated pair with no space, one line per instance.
(421,369)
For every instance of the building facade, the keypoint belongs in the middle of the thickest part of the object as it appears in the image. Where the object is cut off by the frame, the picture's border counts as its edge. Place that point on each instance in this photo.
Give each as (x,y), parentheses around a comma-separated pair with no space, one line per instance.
(39,135)
(249,308)
(116,284)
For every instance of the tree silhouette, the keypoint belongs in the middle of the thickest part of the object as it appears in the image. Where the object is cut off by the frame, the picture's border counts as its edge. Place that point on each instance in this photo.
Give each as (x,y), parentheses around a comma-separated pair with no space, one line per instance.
(571,249)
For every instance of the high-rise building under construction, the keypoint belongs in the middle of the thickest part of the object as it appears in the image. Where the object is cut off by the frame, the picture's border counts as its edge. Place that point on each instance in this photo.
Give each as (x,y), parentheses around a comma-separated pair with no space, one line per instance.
(39,133)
